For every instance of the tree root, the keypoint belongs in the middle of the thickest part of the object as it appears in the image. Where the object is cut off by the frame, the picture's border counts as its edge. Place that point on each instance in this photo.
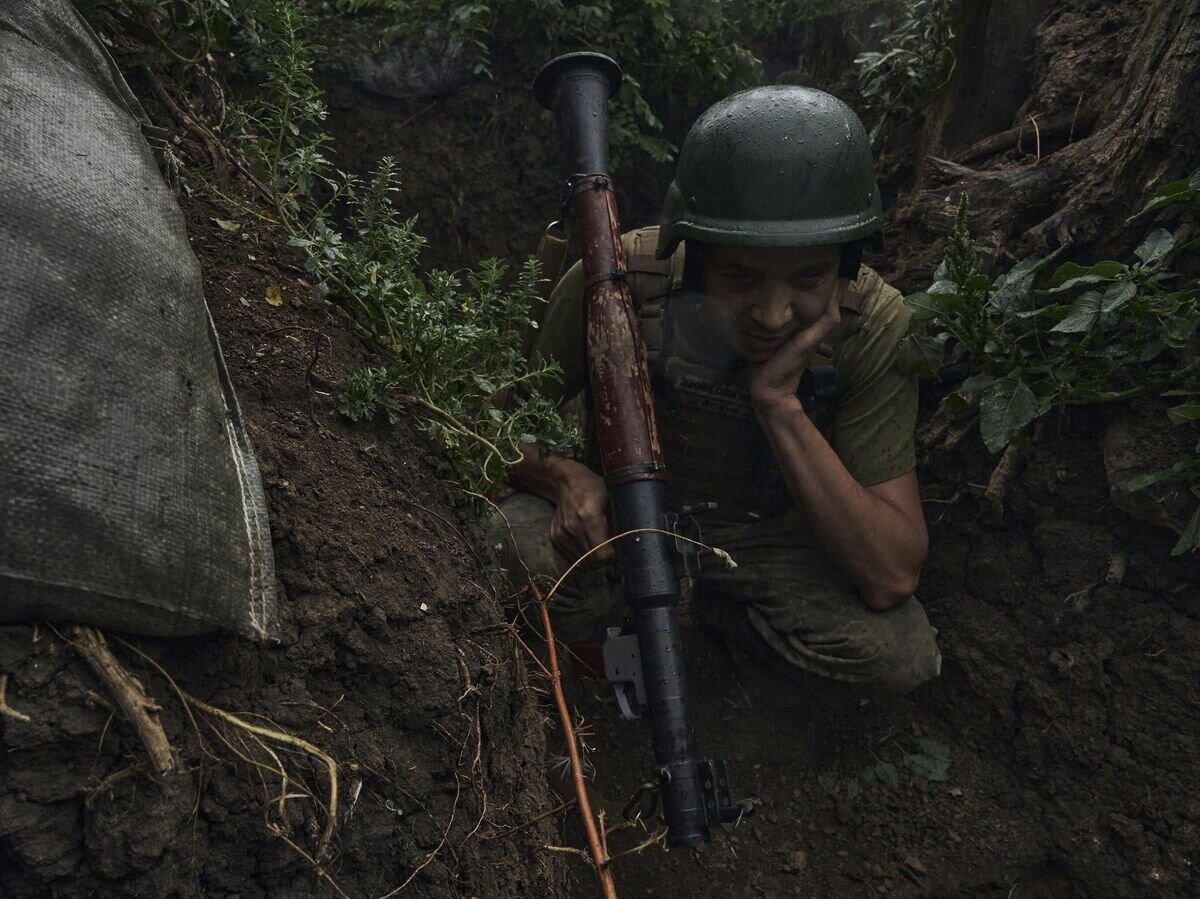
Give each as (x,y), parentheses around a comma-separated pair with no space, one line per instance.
(286,739)
(127,690)
(189,702)
(1002,475)
(5,708)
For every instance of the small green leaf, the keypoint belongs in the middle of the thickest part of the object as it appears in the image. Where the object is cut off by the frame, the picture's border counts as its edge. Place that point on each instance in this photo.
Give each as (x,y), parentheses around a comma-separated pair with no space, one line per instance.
(926,307)
(1158,243)
(886,773)
(1190,537)
(227,225)
(931,760)
(920,354)
(955,404)
(1183,414)
(1117,295)
(1142,481)
(1013,287)
(1070,275)
(976,383)
(1005,408)
(1084,314)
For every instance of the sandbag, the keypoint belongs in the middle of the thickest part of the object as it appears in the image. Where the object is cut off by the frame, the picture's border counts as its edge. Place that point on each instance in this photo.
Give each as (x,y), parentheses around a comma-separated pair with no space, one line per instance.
(129,493)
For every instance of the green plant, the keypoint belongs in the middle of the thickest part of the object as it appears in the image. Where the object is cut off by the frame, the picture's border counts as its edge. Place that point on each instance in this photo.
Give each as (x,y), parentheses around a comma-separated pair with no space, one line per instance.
(453,340)
(916,61)
(1101,333)
(673,52)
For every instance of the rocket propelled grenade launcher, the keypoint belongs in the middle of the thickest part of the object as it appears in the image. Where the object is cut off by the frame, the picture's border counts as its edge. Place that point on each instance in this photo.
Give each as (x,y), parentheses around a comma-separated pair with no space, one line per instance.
(646,664)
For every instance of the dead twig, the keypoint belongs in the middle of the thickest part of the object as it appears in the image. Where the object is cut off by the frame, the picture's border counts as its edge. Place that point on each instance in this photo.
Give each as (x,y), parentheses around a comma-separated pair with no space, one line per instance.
(655,838)
(5,708)
(599,859)
(127,690)
(108,783)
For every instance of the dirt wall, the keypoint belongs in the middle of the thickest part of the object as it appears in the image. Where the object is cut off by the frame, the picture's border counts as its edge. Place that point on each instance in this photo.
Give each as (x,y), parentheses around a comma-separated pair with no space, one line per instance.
(393,660)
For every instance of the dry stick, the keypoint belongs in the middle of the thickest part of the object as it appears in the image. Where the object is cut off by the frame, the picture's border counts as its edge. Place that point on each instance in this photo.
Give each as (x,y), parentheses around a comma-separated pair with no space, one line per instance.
(5,708)
(129,693)
(287,740)
(599,857)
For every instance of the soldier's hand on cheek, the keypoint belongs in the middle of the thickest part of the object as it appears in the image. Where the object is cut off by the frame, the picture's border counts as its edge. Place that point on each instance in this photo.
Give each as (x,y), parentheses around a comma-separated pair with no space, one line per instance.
(777,379)
(581,517)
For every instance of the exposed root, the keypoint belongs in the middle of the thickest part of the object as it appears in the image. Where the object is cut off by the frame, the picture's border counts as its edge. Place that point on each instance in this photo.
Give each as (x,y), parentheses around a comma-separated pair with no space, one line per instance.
(657,838)
(127,690)
(278,831)
(5,708)
(108,783)
(1002,475)
(286,739)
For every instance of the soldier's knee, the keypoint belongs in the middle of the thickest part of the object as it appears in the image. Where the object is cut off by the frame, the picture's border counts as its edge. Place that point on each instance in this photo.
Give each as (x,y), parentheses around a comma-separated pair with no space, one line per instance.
(902,654)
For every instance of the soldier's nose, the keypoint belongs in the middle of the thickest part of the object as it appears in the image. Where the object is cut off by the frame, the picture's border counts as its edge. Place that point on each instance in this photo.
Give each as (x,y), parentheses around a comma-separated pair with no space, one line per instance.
(774,311)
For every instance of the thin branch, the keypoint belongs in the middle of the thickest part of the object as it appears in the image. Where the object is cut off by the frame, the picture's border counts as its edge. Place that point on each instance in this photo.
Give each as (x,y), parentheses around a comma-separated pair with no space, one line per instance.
(608,887)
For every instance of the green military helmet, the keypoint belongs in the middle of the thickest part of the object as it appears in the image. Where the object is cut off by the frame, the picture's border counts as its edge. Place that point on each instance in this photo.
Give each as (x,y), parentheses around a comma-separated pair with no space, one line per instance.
(770,167)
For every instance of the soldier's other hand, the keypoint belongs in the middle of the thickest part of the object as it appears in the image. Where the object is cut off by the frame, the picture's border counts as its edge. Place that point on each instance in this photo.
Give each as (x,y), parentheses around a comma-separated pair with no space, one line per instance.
(776,380)
(581,516)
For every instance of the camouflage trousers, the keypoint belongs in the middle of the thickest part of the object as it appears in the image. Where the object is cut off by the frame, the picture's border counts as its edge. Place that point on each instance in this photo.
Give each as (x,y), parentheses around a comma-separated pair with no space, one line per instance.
(785,603)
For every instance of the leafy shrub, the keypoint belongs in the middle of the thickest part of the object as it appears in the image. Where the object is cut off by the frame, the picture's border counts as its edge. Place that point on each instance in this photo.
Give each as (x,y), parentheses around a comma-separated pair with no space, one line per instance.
(453,339)
(916,61)
(1101,333)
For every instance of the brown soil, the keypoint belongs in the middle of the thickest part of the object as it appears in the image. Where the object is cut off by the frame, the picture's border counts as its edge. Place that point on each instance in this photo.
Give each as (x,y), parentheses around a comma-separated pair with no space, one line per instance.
(1067,703)
(392,660)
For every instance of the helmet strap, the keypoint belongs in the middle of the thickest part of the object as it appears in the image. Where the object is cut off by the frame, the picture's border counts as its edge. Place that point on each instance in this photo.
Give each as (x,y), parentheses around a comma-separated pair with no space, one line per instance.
(851,260)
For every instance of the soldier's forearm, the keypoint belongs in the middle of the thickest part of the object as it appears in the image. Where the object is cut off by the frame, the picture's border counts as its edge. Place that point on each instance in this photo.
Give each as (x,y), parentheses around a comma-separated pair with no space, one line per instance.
(876,535)
(541,473)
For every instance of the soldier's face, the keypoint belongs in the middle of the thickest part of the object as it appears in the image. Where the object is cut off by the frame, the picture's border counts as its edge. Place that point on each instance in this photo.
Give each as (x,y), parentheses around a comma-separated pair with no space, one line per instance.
(760,297)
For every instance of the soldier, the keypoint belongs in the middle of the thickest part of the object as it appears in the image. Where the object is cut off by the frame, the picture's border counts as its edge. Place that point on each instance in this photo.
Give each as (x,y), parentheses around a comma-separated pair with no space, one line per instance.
(748,292)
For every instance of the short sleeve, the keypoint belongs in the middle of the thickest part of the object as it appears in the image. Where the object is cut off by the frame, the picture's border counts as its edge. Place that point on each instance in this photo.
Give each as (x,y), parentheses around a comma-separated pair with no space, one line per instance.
(875,419)
(561,337)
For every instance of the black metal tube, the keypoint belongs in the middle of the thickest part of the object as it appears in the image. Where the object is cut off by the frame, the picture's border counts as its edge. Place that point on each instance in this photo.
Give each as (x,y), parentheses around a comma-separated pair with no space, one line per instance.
(652,591)
(576,86)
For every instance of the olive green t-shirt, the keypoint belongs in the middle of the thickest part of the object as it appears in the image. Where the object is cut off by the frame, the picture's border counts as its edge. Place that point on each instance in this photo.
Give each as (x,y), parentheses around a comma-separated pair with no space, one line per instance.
(713,445)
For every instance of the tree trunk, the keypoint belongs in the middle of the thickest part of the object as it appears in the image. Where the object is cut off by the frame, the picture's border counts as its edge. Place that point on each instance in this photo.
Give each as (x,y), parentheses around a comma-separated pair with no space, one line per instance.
(1049,177)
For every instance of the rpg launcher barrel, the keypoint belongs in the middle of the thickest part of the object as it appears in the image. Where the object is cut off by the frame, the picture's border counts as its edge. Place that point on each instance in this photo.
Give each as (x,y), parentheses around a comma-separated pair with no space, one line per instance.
(694,794)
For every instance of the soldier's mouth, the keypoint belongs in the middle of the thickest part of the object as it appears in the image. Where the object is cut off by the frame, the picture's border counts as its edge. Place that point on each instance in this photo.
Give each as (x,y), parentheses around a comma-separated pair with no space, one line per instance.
(765,342)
